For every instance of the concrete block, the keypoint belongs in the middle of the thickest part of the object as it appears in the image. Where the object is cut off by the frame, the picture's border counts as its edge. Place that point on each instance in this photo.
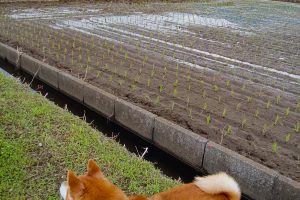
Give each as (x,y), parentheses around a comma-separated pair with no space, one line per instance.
(30,65)
(49,75)
(135,118)
(10,54)
(286,189)
(13,56)
(99,100)
(255,180)
(3,51)
(181,143)
(71,86)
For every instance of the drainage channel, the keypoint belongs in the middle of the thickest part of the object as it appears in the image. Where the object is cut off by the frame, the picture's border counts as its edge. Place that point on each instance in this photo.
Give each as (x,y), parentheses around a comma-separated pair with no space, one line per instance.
(168,164)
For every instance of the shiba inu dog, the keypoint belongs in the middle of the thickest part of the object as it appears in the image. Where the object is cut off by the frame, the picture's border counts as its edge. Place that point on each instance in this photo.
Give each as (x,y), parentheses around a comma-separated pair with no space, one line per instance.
(94,186)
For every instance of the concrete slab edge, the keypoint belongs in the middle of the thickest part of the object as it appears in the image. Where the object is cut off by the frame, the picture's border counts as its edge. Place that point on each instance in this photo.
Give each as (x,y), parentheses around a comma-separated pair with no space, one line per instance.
(135,118)
(10,54)
(212,157)
(180,142)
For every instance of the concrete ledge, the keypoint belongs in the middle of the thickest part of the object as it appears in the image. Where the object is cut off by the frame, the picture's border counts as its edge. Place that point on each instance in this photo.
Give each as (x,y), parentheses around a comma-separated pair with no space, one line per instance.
(49,75)
(135,118)
(30,64)
(13,56)
(286,189)
(3,51)
(101,101)
(180,142)
(10,54)
(71,86)
(255,180)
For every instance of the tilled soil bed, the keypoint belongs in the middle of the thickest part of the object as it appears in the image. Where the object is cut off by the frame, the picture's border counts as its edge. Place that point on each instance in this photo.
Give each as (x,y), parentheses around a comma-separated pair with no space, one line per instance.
(234,81)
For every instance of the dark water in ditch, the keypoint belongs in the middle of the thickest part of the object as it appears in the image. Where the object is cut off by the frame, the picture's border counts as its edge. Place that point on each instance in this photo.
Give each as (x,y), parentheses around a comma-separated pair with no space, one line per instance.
(169,165)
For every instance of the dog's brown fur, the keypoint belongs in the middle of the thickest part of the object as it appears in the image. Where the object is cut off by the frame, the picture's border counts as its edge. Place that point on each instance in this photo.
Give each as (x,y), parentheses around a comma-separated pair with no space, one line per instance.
(94,186)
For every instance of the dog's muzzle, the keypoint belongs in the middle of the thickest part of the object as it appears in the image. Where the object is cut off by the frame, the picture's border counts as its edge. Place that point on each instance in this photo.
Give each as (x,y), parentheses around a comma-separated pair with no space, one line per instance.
(63,190)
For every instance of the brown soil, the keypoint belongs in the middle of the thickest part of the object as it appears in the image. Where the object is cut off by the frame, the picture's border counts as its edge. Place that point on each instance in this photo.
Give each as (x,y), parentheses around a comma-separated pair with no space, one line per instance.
(169,75)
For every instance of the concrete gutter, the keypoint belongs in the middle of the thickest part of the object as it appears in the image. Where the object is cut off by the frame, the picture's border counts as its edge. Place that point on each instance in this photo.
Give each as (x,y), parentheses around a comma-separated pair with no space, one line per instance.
(256,180)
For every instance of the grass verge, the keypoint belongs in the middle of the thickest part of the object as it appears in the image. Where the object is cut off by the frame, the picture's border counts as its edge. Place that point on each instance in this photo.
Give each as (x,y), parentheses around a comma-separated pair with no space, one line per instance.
(40,141)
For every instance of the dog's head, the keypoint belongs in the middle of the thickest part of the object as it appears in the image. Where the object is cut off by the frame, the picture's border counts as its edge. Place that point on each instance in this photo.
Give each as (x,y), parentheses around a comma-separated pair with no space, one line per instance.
(91,186)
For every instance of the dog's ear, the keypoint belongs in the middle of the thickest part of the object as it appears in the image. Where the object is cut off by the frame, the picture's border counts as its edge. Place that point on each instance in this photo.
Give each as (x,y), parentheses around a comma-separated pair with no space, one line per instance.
(75,185)
(94,170)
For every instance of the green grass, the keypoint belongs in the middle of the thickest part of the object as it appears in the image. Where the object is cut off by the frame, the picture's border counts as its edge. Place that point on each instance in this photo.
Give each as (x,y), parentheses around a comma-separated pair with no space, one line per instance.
(39,142)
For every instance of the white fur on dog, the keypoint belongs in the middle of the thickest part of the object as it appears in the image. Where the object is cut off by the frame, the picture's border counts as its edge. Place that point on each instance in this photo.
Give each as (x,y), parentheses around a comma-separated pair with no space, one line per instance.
(63,190)
(217,183)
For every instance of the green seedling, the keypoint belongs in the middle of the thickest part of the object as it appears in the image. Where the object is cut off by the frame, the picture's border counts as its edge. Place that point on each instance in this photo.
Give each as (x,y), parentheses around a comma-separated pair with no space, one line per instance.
(202,83)
(175,92)
(257,112)
(208,119)
(189,87)
(121,82)
(232,92)
(88,59)
(148,82)
(161,88)
(278,99)
(190,113)
(229,130)
(287,111)
(125,74)
(277,118)
(238,106)
(136,79)
(188,101)
(133,87)
(244,122)
(243,87)
(228,83)
(268,105)
(274,147)
(172,105)
(188,77)
(175,84)
(264,129)
(205,106)
(152,73)
(224,112)
(287,138)
(99,73)
(249,99)
(165,70)
(157,100)
(204,94)
(216,88)
(297,126)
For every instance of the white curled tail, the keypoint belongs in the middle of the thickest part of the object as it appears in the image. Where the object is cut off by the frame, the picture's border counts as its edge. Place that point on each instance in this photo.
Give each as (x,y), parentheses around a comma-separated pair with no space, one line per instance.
(218,184)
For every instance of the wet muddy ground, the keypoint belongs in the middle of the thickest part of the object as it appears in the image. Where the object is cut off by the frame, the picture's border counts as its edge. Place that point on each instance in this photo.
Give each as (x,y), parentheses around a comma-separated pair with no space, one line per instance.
(230,73)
